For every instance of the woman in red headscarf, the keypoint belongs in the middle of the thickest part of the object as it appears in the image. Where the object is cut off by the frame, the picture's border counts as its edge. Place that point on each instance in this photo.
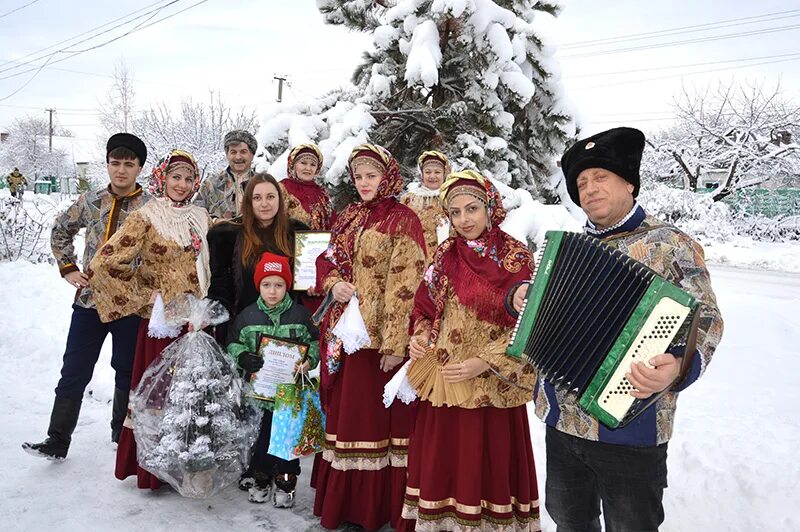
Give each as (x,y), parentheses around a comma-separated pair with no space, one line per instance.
(306,200)
(470,463)
(377,250)
(167,239)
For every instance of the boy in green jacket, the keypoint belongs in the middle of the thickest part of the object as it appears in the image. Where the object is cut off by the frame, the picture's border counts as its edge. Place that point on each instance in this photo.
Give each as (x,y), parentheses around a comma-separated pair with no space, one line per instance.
(276,315)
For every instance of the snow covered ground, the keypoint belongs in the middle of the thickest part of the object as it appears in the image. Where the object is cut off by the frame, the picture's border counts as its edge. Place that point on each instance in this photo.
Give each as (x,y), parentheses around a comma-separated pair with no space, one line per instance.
(732,461)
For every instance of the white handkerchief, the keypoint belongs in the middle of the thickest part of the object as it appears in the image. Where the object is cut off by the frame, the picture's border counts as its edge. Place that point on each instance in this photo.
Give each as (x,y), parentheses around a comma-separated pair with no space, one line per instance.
(351,329)
(399,387)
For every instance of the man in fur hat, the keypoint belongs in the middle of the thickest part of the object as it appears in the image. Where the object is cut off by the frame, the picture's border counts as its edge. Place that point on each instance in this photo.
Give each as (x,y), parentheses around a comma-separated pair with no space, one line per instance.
(587,462)
(101,212)
(221,194)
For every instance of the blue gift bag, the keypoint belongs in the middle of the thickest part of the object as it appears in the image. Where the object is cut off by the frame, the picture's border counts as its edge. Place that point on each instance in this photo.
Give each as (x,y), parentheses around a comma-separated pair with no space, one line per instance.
(298,423)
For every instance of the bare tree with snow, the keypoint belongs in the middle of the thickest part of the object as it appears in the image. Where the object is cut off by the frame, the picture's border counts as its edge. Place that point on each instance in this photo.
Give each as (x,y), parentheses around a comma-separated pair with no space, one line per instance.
(728,138)
(117,107)
(27,148)
(197,127)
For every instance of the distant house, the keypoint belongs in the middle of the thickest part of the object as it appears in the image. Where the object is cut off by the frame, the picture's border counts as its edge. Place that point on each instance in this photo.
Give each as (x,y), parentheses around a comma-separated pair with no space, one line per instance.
(78,155)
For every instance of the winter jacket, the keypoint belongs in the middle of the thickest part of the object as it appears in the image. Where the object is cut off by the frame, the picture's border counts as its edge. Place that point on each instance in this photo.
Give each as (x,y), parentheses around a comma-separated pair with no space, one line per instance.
(288,320)
(15,180)
(101,213)
(221,195)
(231,281)
(679,259)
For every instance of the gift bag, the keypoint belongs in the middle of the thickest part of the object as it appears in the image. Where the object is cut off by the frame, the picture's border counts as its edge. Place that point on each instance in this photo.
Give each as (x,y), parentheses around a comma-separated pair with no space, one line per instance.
(298,423)
(350,328)
(192,425)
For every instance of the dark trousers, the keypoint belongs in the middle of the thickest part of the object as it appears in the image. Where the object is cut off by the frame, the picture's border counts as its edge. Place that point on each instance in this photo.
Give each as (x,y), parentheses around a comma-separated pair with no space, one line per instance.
(261,462)
(629,481)
(84,341)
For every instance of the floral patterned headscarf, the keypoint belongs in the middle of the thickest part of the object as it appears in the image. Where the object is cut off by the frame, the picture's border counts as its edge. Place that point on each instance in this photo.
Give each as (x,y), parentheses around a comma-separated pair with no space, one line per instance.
(391,184)
(434,157)
(299,152)
(174,159)
(472,183)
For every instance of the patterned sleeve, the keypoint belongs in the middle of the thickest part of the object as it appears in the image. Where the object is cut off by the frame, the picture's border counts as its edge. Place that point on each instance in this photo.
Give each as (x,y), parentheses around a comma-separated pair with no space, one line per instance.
(405,272)
(695,279)
(66,226)
(202,197)
(112,272)
(494,354)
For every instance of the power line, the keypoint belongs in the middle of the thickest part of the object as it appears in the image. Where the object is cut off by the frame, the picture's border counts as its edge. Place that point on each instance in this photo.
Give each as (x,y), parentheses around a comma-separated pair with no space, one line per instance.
(75,53)
(7,13)
(707,63)
(20,64)
(686,41)
(26,83)
(17,60)
(643,80)
(768,17)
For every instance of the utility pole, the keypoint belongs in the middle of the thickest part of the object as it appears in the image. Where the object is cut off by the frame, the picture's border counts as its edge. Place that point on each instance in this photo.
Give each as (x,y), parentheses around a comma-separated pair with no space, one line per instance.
(280,87)
(50,135)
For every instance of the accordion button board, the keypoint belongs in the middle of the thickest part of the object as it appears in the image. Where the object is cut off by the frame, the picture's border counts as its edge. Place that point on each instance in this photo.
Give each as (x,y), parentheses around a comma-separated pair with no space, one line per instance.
(653,339)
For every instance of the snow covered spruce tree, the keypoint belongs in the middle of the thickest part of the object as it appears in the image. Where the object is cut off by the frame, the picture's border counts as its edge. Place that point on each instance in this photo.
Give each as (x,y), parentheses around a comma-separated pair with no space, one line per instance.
(473,78)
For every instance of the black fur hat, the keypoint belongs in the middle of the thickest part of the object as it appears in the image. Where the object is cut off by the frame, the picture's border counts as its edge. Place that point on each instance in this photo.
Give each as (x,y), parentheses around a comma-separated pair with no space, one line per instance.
(618,150)
(126,140)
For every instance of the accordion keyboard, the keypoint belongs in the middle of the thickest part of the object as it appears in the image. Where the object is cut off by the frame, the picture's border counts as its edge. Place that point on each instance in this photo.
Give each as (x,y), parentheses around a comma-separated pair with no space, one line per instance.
(653,338)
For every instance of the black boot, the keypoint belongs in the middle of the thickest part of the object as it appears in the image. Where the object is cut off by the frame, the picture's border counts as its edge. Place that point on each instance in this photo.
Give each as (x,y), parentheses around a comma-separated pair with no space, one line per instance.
(59,434)
(119,410)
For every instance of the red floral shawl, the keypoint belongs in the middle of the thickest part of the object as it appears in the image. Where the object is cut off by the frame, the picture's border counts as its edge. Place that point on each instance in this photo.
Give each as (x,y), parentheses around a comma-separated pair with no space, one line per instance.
(312,197)
(380,212)
(480,271)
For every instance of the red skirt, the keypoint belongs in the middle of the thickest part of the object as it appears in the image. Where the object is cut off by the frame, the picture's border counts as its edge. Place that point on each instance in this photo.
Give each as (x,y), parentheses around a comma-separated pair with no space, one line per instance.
(361,476)
(147,350)
(471,469)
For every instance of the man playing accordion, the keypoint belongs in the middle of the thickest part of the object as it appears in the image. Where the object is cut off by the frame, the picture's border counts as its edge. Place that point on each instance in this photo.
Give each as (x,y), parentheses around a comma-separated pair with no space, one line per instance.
(588,462)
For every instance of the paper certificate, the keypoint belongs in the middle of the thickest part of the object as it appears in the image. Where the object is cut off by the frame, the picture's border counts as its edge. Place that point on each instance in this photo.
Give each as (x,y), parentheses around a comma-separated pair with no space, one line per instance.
(280,357)
(308,245)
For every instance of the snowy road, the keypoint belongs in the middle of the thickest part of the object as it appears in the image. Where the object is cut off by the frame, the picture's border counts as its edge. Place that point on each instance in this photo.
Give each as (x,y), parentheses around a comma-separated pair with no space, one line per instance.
(732,461)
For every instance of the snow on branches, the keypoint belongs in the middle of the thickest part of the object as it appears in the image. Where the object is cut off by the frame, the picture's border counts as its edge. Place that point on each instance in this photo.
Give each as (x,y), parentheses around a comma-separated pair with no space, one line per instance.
(473,78)
(728,139)
(25,227)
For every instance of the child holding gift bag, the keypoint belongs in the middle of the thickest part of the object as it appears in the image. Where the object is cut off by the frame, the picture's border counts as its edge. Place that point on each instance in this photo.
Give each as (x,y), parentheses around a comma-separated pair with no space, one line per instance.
(276,315)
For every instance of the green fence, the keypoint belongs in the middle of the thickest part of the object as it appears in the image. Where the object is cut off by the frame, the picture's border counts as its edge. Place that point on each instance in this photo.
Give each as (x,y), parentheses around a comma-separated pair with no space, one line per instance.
(769,203)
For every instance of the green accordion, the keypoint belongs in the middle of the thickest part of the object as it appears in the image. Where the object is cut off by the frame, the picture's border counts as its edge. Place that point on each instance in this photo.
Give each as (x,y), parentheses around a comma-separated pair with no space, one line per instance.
(590,312)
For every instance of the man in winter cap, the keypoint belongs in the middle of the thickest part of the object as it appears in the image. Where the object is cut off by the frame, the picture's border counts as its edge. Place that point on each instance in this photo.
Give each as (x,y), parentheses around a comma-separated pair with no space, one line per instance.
(221,194)
(588,463)
(16,183)
(101,212)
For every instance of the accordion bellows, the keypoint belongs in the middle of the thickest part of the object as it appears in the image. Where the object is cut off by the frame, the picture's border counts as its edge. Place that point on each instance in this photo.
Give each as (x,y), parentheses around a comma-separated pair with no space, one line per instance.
(590,312)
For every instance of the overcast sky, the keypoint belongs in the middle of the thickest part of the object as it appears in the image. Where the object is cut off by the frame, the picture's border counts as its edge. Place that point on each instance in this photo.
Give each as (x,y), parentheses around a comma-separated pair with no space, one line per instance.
(236,47)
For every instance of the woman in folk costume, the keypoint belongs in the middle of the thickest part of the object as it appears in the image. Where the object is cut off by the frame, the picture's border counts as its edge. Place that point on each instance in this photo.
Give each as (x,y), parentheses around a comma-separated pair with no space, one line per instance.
(377,250)
(470,463)
(166,240)
(424,199)
(306,200)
